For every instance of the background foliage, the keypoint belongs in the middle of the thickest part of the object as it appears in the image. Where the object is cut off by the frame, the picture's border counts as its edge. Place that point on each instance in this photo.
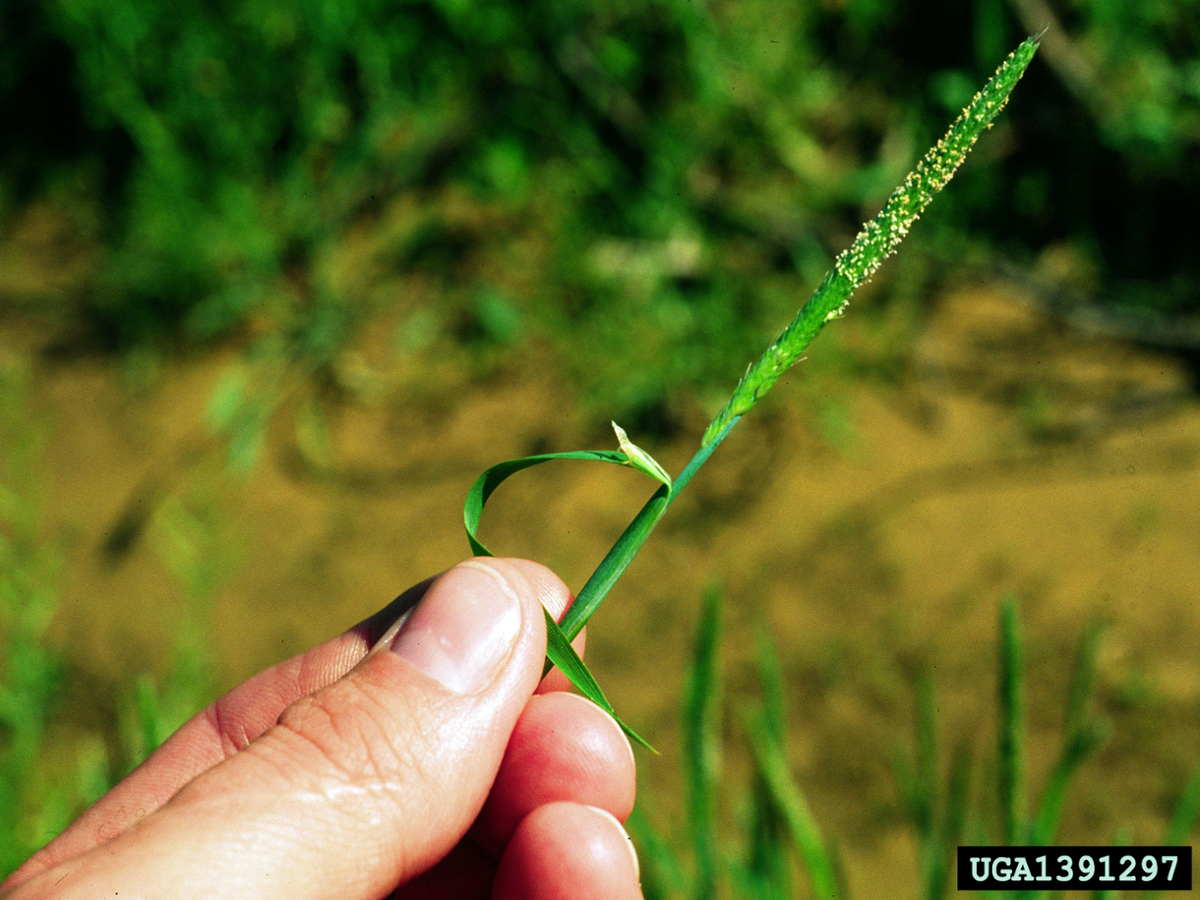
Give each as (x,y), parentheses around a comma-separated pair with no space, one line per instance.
(642,190)
(652,180)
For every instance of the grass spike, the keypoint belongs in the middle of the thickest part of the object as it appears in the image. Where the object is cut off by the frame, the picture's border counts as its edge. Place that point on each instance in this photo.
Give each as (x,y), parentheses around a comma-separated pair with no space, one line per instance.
(878,239)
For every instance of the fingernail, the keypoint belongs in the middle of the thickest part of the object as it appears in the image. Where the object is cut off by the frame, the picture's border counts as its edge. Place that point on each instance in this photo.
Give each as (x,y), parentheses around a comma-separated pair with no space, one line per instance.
(462,630)
(637,868)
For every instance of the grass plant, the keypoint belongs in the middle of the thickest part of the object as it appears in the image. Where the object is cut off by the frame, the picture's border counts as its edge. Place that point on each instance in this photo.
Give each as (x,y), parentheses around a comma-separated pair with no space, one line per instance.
(777,849)
(878,239)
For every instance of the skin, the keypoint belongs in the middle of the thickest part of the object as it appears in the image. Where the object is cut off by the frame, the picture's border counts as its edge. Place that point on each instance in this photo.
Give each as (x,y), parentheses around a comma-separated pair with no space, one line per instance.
(352,771)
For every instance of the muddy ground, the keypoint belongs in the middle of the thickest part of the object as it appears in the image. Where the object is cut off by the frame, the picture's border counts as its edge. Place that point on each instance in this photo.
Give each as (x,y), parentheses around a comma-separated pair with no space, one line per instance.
(1010,458)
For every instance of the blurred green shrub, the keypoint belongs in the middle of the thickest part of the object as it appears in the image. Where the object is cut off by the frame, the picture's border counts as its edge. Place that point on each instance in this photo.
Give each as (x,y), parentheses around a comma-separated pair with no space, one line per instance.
(686,171)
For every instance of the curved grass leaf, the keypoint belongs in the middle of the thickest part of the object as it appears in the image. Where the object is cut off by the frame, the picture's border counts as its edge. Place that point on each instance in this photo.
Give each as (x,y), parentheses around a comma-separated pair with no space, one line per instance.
(491,479)
(559,651)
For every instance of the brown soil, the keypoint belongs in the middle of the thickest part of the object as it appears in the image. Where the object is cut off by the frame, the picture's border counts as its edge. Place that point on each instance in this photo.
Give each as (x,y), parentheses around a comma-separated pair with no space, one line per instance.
(1011,459)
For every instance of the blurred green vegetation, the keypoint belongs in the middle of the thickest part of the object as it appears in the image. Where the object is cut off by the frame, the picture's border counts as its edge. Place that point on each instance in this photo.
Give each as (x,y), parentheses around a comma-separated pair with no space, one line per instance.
(631,181)
(975,794)
(35,797)
(64,738)
(643,190)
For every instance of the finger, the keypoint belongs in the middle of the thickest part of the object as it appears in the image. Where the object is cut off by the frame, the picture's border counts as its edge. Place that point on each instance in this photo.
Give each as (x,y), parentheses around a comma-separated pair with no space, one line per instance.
(225,727)
(557,599)
(568,850)
(361,785)
(564,747)
(466,873)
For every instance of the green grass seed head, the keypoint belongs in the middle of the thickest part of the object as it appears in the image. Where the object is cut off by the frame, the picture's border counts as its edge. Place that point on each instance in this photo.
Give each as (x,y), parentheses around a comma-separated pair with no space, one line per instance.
(878,239)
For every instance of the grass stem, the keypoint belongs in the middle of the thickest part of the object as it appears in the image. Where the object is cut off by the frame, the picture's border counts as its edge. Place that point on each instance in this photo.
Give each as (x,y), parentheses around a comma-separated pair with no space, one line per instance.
(877,240)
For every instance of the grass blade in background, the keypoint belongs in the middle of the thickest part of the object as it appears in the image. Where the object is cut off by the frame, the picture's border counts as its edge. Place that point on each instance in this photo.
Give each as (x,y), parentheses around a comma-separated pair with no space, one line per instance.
(770,761)
(1082,735)
(702,744)
(781,809)
(1184,819)
(768,865)
(1186,813)
(938,820)
(937,877)
(1010,740)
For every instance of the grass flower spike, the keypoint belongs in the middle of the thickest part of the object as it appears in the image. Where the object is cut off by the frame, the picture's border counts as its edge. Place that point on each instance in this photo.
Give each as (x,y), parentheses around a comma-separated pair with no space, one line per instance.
(877,241)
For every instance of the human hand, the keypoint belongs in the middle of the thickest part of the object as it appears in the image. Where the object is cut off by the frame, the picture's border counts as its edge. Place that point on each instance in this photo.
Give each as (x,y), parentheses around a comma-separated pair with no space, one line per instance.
(440,769)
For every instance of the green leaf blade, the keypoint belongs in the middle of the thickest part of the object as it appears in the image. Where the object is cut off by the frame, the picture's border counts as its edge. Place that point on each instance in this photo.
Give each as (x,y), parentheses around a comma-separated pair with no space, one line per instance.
(492,477)
(560,652)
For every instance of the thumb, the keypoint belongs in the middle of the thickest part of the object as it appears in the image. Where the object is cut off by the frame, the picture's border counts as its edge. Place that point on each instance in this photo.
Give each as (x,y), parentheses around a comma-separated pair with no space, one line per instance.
(360,786)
